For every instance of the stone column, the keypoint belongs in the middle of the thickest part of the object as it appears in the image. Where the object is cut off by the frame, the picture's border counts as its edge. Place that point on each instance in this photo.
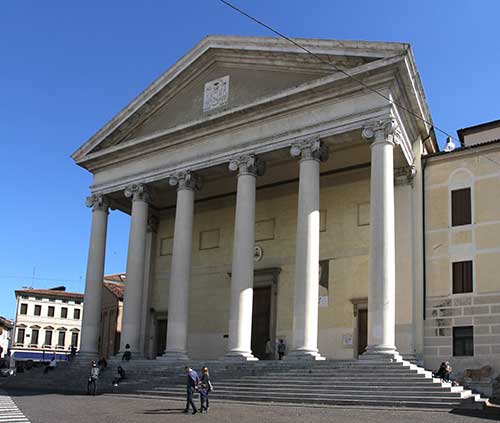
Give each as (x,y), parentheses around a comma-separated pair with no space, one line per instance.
(180,274)
(381,287)
(240,312)
(134,285)
(95,276)
(305,311)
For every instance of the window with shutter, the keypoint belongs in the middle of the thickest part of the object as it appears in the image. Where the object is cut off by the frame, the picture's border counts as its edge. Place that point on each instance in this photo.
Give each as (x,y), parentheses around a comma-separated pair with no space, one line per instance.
(462,277)
(461,207)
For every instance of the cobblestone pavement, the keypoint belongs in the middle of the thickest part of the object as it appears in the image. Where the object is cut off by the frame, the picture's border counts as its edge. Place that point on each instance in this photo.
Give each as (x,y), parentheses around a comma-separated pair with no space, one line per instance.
(50,408)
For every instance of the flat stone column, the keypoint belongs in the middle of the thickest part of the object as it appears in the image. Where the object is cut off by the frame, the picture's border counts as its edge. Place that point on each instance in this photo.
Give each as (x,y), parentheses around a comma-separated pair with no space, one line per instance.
(89,344)
(240,312)
(134,285)
(381,287)
(180,274)
(305,311)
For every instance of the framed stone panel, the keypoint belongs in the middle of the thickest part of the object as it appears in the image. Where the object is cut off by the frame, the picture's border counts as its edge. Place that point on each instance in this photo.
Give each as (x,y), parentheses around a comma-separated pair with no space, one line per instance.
(265,229)
(363,214)
(166,245)
(209,239)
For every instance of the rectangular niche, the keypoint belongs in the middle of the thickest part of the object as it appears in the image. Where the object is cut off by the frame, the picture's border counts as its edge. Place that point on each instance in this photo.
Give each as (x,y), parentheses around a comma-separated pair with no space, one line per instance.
(209,239)
(363,214)
(264,229)
(166,245)
(322,220)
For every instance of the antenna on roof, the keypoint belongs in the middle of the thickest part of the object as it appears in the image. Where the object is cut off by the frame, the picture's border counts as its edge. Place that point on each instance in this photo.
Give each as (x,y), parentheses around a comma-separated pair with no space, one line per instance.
(450,145)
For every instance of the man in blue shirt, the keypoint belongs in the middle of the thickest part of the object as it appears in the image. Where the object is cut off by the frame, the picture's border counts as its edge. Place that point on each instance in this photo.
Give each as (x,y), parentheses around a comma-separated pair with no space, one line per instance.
(192,384)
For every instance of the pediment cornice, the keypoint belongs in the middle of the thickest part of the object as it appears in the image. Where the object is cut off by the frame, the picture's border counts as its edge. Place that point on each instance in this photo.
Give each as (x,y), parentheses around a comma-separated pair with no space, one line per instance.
(263,52)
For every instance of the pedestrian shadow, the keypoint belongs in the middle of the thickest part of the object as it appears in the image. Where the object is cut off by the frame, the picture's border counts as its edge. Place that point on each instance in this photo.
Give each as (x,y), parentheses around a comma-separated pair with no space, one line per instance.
(164,411)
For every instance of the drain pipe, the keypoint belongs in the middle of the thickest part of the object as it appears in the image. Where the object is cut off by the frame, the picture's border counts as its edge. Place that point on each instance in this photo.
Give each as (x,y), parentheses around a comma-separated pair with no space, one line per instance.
(424,259)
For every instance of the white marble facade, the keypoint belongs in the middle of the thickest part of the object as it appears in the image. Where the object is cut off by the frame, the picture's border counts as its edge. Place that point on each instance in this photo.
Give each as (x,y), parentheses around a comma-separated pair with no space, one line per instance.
(235,114)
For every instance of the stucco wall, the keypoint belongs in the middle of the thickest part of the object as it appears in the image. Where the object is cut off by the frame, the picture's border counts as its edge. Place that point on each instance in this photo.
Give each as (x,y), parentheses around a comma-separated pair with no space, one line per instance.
(478,169)
(343,241)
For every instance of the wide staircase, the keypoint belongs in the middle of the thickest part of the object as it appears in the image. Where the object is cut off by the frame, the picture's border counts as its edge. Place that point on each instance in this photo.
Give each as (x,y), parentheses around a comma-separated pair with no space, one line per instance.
(335,382)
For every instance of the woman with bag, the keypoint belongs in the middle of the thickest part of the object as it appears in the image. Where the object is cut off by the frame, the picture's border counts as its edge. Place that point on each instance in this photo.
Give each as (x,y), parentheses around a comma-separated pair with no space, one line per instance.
(205,388)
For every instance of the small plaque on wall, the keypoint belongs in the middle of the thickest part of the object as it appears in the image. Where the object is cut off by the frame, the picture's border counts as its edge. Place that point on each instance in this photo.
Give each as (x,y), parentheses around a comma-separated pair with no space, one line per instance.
(347,340)
(323,301)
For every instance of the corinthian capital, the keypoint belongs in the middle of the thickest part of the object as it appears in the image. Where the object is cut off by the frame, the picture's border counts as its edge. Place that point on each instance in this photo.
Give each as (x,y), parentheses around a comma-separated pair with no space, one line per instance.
(249,164)
(385,130)
(185,180)
(311,149)
(138,192)
(97,202)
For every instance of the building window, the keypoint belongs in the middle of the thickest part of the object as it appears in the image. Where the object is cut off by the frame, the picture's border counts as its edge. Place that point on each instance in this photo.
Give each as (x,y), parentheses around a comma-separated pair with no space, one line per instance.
(34,336)
(76,314)
(74,339)
(461,207)
(51,311)
(78,302)
(61,339)
(64,313)
(24,309)
(462,277)
(48,338)
(20,336)
(463,341)
(38,310)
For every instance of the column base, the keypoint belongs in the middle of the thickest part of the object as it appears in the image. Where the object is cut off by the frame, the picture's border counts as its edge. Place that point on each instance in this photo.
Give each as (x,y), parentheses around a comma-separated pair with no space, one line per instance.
(239,356)
(381,353)
(304,356)
(173,356)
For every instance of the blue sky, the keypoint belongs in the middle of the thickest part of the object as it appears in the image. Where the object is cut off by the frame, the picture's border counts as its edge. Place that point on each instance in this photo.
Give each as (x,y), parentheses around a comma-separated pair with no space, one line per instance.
(66,68)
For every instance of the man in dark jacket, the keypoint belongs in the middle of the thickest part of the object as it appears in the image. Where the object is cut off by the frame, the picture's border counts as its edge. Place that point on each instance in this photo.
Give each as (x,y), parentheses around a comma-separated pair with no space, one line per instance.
(192,383)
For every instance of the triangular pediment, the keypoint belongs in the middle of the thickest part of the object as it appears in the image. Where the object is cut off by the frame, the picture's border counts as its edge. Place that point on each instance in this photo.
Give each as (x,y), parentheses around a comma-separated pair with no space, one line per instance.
(223,73)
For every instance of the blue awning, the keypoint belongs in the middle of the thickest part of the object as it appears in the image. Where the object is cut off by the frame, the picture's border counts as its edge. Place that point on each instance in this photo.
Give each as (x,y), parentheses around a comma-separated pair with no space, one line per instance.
(37,356)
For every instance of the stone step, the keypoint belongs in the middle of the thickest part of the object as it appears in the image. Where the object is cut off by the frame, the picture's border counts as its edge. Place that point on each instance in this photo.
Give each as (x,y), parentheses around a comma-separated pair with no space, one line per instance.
(354,401)
(300,393)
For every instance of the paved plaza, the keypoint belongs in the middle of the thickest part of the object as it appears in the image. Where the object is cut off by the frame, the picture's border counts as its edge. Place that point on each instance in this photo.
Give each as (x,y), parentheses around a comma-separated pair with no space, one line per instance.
(50,408)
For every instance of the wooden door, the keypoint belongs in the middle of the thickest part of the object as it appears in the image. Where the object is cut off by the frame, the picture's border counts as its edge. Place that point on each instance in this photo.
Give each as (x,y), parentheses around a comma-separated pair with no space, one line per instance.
(261,320)
(362,330)
(161,336)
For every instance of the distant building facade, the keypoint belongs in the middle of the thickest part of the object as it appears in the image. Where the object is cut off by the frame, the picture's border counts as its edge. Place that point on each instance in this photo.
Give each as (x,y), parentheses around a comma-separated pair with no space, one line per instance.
(111,314)
(48,321)
(5,335)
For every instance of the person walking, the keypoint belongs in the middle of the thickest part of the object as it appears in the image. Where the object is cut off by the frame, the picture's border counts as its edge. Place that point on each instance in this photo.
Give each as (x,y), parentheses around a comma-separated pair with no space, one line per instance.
(52,364)
(120,377)
(281,349)
(192,384)
(269,349)
(94,376)
(127,355)
(205,388)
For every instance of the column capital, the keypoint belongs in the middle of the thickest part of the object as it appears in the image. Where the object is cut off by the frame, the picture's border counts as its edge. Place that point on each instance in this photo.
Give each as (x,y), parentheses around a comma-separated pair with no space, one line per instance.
(186,180)
(248,164)
(385,130)
(97,202)
(138,192)
(310,149)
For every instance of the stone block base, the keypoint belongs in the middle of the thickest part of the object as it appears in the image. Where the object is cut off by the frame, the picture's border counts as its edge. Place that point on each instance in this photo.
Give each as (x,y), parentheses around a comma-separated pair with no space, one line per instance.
(238,357)
(173,356)
(304,356)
